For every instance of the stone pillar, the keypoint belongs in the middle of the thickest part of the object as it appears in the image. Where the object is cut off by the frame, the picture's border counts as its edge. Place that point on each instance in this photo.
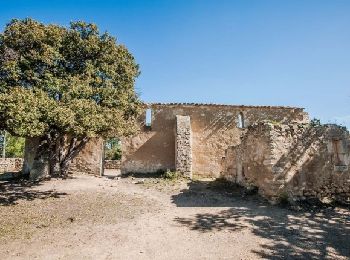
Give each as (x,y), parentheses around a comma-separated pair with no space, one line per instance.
(183,146)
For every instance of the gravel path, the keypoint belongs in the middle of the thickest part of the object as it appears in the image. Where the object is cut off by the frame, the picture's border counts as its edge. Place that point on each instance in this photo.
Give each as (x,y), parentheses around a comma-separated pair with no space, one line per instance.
(151,218)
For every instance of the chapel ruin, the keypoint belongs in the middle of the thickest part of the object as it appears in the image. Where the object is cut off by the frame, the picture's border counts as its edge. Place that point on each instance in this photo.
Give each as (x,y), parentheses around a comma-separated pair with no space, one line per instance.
(272,148)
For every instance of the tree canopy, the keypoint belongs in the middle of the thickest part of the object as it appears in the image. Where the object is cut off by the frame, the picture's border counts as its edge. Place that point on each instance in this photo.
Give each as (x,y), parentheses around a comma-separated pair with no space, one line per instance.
(57,81)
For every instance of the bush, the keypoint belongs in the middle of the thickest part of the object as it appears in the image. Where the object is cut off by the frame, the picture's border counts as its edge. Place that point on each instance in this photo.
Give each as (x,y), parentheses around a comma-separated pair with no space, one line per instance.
(170,175)
(315,122)
(14,146)
(113,150)
(283,199)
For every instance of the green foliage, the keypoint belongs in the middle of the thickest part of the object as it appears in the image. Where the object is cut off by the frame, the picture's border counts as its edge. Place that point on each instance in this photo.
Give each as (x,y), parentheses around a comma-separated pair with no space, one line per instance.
(315,122)
(113,149)
(274,122)
(65,80)
(171,175)
(14,146)
(283,199)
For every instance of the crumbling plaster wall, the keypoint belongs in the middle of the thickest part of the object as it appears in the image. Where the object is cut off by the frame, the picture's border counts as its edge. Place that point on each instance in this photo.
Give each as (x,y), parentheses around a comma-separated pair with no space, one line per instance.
(89,160)
(242,161)
(294,161)
(214,129)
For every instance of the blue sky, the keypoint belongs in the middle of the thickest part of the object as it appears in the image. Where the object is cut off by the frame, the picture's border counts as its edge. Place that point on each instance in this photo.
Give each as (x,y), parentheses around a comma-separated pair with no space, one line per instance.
(261,52)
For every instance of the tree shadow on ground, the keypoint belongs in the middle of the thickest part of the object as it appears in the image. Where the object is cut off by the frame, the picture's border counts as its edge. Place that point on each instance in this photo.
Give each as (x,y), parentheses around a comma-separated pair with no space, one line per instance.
(218,193)
(13,191)
(310,233)
(207,222)
(140,175)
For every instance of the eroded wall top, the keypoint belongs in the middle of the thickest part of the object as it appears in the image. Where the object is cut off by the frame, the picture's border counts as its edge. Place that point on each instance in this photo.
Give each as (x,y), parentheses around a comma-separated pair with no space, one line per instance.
(294,161)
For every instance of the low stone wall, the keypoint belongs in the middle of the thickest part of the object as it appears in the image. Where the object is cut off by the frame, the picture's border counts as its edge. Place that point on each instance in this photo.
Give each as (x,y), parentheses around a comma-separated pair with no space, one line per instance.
(10,164)
(111,164)
(293,161)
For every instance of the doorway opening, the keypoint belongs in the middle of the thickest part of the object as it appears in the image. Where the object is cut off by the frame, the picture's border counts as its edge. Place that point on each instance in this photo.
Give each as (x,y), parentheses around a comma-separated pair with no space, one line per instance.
(112,157)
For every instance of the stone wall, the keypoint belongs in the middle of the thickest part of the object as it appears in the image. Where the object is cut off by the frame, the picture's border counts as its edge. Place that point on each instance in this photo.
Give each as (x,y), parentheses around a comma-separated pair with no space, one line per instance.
(111,164)
(89,160)
(247,163)
(197,147)
(294,161)
(11,164)
(183,147)
(214,129)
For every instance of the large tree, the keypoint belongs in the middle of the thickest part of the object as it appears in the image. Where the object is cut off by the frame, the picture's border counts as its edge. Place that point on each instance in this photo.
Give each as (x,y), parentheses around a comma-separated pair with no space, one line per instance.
(65,86)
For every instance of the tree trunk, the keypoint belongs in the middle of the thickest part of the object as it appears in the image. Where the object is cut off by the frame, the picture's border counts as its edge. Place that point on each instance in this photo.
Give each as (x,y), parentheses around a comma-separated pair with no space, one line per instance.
(75,146)
(55,151)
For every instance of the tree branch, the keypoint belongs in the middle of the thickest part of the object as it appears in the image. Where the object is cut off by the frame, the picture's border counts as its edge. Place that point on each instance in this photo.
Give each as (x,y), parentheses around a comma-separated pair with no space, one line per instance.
(73,150)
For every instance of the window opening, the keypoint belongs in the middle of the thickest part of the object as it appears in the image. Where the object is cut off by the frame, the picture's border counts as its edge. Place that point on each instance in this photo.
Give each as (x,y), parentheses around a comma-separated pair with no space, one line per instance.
(240,123)
(148,117)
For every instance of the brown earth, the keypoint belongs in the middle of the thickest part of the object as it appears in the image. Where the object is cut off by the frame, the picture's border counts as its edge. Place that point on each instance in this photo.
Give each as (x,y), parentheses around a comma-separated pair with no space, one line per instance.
(152,218)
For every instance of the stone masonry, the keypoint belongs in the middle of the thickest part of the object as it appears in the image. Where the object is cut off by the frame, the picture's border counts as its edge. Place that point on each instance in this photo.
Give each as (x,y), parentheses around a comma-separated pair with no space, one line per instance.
(214,128)
(292,161)
(11,164)
(274,149)
(183,147)
(111,164)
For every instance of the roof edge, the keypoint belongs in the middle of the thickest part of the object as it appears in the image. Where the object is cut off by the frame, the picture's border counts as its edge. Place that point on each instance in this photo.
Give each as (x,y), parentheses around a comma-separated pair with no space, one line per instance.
(219,105)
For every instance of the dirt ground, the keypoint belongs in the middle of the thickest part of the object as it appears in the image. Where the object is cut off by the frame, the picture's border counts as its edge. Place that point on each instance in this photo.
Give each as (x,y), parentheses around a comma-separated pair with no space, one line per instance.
(88,217)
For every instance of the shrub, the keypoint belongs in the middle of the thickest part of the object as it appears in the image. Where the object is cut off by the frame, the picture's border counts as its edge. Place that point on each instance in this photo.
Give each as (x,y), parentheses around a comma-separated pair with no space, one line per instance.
(315,122)
(170,175)
(113,149)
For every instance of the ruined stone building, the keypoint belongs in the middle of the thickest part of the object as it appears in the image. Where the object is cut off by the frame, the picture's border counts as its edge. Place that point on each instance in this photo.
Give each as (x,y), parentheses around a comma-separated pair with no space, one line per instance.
(292,161)
(272,148)
(193,138)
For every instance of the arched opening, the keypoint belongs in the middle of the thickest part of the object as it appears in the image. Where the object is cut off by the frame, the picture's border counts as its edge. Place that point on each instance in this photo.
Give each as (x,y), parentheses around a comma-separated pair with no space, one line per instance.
(148,122)
(240,123)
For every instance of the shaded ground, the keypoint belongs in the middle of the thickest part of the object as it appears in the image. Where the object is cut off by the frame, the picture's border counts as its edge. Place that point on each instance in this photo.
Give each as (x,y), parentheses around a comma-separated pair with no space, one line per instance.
(152,218)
